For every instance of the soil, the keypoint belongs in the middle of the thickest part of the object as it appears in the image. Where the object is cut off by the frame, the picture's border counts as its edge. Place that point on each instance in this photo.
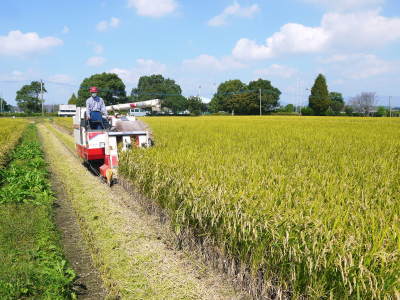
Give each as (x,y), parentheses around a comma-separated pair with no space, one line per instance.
(88,284)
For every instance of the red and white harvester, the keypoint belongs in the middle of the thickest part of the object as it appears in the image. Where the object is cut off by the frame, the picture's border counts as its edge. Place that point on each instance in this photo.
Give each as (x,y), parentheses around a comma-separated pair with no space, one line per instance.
(99,147)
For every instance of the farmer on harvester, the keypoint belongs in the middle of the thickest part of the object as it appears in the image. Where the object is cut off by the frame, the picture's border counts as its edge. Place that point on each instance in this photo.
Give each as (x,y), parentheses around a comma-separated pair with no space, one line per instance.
(95,110)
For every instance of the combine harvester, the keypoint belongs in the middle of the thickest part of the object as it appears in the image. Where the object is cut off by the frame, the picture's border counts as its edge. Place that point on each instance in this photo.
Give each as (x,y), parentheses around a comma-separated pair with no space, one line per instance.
(99,147)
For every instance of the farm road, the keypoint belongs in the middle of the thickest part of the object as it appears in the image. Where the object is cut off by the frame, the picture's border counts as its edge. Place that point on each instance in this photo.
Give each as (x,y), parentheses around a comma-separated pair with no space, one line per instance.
(131,250)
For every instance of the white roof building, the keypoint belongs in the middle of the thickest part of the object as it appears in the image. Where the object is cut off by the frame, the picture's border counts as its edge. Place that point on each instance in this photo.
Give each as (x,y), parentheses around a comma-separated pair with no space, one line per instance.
(66,110)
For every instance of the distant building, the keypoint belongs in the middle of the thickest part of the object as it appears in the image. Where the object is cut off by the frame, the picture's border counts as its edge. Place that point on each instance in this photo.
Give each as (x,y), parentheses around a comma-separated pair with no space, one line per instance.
(66,110)
(138,112)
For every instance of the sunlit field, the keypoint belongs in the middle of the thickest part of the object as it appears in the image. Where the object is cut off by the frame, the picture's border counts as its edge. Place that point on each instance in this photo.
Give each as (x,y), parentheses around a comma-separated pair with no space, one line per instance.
(312,202)
(10,133)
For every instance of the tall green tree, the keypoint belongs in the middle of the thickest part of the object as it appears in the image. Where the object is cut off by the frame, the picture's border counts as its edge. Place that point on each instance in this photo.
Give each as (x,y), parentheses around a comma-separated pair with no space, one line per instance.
(288,108)
(269,96)
(381,111)
(73,99)
(337,102)
(27,97)
(111,89)
(4,106)
(158,87)
(195,106)
(235,96)
(319,99)
(229,96)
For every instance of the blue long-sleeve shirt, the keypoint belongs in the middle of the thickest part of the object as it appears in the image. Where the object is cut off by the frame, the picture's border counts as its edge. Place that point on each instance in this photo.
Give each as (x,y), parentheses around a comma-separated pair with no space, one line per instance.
(95,104)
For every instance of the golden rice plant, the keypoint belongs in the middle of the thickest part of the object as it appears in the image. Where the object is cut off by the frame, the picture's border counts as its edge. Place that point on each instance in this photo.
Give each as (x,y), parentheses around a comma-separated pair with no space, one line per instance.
(312,202)
(64,122)
(10,133)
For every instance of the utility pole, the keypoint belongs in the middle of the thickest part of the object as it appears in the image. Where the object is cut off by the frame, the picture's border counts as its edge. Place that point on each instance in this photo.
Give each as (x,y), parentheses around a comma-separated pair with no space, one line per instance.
(297,95)
(260,102)
(390,107)
(41,95)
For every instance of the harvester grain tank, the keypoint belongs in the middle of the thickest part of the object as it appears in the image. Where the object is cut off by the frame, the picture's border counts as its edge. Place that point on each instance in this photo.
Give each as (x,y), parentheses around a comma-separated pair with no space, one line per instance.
(99,147)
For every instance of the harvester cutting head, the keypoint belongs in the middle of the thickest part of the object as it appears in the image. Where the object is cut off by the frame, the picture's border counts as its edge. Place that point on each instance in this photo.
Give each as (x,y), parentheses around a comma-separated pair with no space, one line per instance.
(99,147)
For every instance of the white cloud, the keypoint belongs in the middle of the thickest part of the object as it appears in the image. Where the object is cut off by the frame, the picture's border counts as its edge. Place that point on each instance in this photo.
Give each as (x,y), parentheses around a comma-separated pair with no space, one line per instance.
(153,8)
(95,61)
(208,62)
(17,43)
(360,65)
(65,30)
(143,67)
(352,31)
(362,29)
(17,75)
(102,26)
(233,10)
(292,38)
(61,78)
(277,70)
(105,25)
(342,5)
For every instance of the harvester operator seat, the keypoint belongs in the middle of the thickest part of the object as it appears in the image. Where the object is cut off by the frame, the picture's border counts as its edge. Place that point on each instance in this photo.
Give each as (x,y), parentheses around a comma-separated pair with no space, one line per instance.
(97,121)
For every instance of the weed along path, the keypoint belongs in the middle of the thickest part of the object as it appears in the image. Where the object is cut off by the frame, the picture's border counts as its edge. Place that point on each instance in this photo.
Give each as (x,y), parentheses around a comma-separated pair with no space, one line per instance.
(130,249)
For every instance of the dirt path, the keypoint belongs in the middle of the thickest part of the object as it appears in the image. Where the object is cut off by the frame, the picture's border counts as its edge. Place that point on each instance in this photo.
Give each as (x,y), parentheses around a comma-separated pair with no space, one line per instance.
(89,284)
(130,248)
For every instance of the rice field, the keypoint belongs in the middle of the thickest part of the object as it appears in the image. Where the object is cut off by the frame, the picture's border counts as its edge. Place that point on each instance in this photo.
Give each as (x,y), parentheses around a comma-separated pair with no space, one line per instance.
(311,203)
(10,133)
(65,123)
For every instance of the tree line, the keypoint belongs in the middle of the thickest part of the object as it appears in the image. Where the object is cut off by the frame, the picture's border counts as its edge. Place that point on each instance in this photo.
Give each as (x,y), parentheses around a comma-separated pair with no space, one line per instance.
(232,96)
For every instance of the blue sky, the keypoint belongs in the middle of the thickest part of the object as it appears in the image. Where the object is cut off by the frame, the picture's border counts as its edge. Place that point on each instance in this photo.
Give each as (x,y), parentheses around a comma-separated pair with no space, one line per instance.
(354,43)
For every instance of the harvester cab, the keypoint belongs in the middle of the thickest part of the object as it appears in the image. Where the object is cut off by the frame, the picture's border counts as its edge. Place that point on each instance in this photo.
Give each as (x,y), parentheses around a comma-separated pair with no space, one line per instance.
(99,147)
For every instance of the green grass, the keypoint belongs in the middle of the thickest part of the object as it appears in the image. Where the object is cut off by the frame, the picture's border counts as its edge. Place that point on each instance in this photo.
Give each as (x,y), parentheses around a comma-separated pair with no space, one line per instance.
(31,260)
(311,203)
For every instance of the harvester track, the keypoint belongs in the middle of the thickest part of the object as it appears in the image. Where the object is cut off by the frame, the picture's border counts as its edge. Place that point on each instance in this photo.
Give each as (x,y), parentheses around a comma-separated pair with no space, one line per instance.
(133,251)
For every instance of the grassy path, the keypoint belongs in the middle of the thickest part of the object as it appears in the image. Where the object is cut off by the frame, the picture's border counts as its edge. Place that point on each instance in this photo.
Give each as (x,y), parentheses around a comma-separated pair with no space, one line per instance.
(129,248)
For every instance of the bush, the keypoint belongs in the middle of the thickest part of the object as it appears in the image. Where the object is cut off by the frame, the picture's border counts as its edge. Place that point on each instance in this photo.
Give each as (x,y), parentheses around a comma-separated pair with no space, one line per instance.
(307,111)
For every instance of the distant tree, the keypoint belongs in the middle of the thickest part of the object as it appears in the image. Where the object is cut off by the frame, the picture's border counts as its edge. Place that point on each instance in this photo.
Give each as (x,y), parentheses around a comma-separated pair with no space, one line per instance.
(330,112)
(307,111)
(288,108)
(73,99)
(195,106)
(27,97)
(337,102)
(269,95)
(364,103)
(348,109)
(4,106)
(381,112)
(158,87)
(319,99)
(111,89)
(228,96)
(236,97)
